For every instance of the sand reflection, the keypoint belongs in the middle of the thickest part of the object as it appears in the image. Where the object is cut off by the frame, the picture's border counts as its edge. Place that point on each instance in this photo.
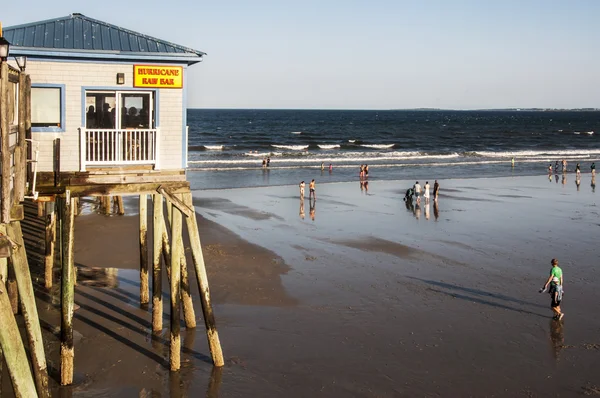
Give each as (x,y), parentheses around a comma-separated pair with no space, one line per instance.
(557,338)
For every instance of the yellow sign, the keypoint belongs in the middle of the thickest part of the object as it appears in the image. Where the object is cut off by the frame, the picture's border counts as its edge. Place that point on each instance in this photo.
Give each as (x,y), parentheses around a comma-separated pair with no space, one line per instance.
(157,76)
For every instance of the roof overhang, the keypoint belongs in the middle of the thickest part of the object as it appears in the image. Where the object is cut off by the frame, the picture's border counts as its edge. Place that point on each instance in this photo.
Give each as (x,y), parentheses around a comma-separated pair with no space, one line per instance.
(117,56)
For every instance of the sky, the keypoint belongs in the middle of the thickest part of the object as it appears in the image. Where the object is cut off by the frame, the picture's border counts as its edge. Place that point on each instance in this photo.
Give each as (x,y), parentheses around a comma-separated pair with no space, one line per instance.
(378,54)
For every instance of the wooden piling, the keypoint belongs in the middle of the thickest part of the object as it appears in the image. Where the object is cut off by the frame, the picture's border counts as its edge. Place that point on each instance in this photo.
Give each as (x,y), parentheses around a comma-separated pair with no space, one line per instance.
(13,349)
(209,318)
(5,203)
(106,200)
(144,290)
(13,293)
(176,250)
(120,207)
(3,260)
(29,309)
(67,354)
(186,297)
(50,241)
(157,225)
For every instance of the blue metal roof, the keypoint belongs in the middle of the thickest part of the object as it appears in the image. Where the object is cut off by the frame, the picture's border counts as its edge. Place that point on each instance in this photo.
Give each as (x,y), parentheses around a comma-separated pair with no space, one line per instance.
(78,34)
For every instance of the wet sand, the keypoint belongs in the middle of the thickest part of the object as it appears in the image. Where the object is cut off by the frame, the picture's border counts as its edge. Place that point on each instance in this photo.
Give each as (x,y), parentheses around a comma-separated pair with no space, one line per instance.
(372,298)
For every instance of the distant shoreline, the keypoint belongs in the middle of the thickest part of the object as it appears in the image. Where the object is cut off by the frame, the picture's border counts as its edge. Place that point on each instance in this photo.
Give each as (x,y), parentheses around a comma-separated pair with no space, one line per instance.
(409,109)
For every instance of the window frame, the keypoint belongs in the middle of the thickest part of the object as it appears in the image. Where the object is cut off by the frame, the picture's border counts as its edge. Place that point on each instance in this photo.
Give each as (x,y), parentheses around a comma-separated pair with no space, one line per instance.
(117,91)
(51,129)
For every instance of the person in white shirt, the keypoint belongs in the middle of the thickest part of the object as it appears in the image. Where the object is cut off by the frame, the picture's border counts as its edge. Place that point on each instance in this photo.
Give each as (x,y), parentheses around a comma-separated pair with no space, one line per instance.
(417,189)
(426,195)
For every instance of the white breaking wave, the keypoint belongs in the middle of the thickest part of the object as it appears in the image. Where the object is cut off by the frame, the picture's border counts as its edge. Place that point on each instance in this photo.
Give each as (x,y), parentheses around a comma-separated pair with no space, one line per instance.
(261,154)
(296,132)
(378,146)
(589,132)
(559,153)
(214,147)
(353,141)
(291,147)
(328,146)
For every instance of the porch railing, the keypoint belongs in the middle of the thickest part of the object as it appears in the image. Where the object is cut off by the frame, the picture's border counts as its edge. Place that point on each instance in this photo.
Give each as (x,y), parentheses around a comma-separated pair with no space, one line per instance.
(119,147)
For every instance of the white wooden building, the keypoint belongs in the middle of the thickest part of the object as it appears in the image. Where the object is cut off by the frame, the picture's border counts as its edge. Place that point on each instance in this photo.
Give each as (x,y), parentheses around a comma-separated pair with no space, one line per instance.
(106,104)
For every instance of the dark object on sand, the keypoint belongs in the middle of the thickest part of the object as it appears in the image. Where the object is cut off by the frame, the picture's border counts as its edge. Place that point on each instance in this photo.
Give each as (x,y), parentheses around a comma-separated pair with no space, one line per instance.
(408,196)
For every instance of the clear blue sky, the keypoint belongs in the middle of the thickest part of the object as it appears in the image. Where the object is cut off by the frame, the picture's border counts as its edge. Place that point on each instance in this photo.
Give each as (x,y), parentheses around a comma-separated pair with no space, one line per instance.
(369,54)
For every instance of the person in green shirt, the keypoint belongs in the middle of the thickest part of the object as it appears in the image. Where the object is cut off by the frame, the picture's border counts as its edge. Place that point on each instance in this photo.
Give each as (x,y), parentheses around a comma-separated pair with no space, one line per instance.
(555,281)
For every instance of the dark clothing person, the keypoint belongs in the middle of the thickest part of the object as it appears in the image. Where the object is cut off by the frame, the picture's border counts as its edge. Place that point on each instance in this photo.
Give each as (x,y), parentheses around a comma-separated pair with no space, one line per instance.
(436,189)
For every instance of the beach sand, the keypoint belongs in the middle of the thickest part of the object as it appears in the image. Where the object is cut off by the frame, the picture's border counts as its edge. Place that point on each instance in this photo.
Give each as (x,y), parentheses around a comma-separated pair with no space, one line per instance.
(371,298)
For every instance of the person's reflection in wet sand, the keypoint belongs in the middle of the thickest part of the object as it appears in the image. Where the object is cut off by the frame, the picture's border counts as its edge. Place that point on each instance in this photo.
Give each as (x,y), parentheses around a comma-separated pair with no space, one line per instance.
(556,178)
(436,210)
(564,179)
(409,206)
(362,185)
(313,205)
(265,172)
(550,177)
(417,211)
(302,208)
(593,184)
(578,182)
(366,186)
(557,337)
(427,211)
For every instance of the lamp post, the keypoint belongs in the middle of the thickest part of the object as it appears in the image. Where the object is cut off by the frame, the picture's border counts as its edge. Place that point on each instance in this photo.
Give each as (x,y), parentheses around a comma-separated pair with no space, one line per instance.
(4,46)
(21,62)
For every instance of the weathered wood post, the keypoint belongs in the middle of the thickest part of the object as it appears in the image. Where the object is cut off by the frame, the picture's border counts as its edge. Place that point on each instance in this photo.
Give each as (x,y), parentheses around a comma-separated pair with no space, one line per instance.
(120,207)
(14,352)
(189,314)
(209,318)
(157,305)
(144,290)
(67,220)
(29,309)
(176,249)
(50,241)
(13,291)
(186,295)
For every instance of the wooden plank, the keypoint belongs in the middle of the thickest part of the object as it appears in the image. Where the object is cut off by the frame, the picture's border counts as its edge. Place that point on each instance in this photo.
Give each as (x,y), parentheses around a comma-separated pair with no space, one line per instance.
(182,207)
(4,145)
(209,318)
(17,213)
(176,252)
(157,305)
(67,221)
(21,151)
(144,290)
(29,309)
(50,239)
(114,189)
(13,349)
(3,260)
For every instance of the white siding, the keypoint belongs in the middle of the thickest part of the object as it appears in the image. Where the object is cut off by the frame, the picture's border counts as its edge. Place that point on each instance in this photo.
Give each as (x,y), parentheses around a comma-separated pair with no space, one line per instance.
(75,75)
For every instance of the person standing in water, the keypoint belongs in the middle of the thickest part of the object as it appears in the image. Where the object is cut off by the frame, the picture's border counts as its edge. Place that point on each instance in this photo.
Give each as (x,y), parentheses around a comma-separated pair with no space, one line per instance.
(268,161)
(436,190)
(322,166)
(512,161)
(312,193)
(578,169)
(555,281)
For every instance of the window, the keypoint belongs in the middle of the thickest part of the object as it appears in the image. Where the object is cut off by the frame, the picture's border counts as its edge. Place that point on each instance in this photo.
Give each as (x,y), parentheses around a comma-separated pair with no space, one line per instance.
(47,107)
(136,110)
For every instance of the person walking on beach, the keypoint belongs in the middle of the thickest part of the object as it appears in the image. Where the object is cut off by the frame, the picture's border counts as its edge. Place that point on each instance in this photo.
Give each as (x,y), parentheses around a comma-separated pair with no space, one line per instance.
(436,190)
(312,193)
(330,167)
(302,189)
(264,164)
(366,170)
(268,161)
(550,169)
(512,161)
(426,194)
(555,281)
(362,172)
(417,191)
(578,169)
(564,165)
(556,167)
(322,166)
(593,168)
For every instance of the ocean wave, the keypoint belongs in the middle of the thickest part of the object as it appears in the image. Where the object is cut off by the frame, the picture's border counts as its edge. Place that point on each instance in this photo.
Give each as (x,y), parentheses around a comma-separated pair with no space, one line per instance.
(540,153)
(262,154)
(291,147)
(378,146)
(324,146)
(296,132)
(213,147)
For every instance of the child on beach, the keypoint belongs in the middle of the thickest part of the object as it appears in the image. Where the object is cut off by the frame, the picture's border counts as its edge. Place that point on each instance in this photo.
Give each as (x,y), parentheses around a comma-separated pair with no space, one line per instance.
(312,192)
(555,281)
(302,189)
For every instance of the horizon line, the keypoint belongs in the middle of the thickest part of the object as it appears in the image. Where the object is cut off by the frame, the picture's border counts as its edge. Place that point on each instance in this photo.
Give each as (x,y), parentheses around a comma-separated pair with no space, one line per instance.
(517,109)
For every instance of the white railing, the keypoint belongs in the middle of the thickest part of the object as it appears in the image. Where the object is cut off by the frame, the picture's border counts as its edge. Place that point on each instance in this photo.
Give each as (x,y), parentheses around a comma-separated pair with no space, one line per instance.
(118,147)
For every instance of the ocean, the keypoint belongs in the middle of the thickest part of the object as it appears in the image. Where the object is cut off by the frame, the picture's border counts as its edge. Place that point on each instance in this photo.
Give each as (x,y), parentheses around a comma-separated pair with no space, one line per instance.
(226,147)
